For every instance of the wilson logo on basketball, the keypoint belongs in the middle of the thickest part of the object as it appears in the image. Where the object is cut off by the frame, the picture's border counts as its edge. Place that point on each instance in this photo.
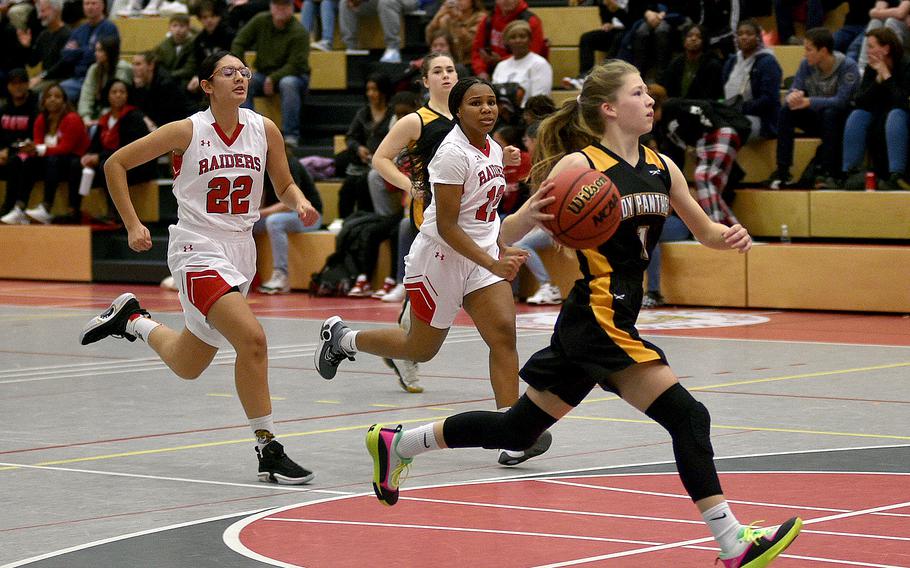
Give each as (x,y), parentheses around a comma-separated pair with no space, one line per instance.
(585,194)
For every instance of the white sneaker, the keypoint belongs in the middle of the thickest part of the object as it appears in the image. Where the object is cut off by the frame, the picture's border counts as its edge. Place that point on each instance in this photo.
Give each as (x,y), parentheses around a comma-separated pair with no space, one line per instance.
(151,9)
(173,8)
(387,286)
(335,226)
(129,12)
(321,45)
(16,216)
(351,51)
(362,287)
(40,214)
(277,284)
(396,294)
(407,374)
(547,294)
(390,56)
(168,283)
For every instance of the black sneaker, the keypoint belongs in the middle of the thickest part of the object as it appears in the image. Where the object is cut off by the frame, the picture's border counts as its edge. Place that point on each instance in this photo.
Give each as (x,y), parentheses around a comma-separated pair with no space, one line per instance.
(895,182)
(652,300)
(329,354)
(540,446)
(855,180)
(276,467)
(112,322)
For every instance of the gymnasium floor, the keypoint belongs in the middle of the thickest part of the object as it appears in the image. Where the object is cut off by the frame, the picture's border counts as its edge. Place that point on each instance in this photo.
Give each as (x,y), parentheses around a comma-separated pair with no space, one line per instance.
(106,459)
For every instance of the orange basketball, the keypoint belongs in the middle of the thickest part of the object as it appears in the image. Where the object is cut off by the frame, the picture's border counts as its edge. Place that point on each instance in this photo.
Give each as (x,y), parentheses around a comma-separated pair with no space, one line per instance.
(587,208)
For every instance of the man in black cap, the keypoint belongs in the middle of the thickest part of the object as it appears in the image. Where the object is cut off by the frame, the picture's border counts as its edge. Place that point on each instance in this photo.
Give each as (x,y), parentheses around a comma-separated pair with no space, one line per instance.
(16,121)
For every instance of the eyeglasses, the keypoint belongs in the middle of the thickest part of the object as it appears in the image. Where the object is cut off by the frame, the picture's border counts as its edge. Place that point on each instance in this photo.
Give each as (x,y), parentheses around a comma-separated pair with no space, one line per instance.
(229,72)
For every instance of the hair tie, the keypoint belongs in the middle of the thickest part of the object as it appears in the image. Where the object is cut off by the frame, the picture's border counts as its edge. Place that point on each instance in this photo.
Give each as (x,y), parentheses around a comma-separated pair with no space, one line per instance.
(578,98)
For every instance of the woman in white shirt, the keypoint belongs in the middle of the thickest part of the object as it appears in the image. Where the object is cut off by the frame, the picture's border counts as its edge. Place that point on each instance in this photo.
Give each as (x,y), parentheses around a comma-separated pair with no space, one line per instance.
(531,71)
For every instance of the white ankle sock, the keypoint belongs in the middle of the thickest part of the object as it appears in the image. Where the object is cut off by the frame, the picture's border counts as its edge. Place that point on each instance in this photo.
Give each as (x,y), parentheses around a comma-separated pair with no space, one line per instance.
(348,342)
(264,430)
(724,527)
(417,441)
(141,327)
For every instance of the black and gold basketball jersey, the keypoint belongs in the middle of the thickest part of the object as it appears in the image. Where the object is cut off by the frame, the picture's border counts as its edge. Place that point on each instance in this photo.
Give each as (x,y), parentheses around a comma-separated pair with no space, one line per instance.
(645,204)
(433,128)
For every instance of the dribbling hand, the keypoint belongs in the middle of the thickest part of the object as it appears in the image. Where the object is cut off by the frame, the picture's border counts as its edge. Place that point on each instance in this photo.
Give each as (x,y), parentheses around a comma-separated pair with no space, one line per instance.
(139,238)
(539,199)
(737,237)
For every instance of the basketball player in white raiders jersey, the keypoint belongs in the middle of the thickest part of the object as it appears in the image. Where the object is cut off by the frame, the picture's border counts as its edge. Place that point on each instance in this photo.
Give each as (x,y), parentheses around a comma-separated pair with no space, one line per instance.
(460,258)
(220,157)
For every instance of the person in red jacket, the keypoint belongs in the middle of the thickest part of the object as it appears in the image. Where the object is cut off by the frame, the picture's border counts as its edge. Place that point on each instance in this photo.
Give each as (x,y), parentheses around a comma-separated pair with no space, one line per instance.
(489,46)
(59,140)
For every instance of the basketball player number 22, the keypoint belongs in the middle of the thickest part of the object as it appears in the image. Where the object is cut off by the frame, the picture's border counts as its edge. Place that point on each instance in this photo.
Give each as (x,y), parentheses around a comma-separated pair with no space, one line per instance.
(487,211)
(225,197)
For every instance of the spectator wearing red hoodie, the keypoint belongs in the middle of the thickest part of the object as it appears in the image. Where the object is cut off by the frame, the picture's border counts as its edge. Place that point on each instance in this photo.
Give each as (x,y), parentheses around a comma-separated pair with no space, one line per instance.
(489,47)
(59,140)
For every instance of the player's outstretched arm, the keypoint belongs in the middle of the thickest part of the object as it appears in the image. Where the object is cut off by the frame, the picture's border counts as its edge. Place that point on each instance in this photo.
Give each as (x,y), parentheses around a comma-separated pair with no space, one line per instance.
(172,137)
(707,232)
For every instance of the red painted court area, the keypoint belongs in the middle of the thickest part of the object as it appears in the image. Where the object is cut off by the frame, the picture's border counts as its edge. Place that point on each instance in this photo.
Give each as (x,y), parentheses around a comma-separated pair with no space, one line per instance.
(632,521)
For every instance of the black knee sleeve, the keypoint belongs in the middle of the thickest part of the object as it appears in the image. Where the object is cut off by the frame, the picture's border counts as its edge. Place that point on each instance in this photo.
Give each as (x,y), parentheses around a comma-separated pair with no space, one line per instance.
(689,425)
(516,429)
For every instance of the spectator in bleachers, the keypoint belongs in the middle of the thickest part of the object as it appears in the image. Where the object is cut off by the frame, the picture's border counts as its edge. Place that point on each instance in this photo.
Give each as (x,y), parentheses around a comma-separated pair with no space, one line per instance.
(891,14)
(121,124)
(815,17)
(460,18)
(696,73)
(216,35)
(59,141)
(156,93)
(15,53)
(719,18)
(816,103)
(79,51)
(279,221)
(391,12)
(47,48)
(880,117)
(489,48)
(175,53)
(240,12)
(653,39)
(282,65)
(363,188)
(616,18)
(328,13)
(17,121)
(752,79)
(529,70)
(107,65)
(164,8)
(855,23)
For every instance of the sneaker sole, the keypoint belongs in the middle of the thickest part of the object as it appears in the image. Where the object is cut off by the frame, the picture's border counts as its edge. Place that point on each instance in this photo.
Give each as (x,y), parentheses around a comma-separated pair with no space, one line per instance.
(376,449)
(777,548)
(414,389)
(317,356)
(542,444)
(269,477)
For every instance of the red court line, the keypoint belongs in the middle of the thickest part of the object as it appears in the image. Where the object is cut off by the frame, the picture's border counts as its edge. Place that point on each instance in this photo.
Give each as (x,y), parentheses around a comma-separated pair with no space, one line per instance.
(359,531)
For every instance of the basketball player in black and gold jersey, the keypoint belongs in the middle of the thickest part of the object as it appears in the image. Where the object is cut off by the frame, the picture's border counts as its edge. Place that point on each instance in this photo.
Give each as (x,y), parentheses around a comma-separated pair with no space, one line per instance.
(595,342)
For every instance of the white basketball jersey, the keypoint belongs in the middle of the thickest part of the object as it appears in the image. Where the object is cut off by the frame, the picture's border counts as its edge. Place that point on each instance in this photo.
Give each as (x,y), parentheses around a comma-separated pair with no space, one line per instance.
(457,162)
(218,180)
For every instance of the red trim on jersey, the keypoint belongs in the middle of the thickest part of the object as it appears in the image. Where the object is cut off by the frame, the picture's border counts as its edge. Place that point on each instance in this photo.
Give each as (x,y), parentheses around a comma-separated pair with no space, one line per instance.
(422,303)
(204,288)
(176,164)
(224,137)
(486,148)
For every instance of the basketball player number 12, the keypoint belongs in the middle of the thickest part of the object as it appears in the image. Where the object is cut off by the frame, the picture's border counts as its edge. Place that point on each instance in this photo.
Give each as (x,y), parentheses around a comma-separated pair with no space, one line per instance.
(487,211)
(216,200)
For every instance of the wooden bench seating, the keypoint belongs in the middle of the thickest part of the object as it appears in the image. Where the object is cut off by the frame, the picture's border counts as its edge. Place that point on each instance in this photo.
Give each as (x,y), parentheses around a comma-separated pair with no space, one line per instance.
(145,198)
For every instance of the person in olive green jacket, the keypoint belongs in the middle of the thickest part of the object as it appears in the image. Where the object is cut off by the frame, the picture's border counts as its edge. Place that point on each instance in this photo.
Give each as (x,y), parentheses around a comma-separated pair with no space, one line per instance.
(282,67)
(175,53)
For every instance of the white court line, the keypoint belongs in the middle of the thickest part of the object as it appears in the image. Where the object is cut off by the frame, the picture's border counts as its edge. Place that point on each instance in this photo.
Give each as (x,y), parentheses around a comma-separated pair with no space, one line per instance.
(788,342)
(271,486)
(684,543)
(460,529)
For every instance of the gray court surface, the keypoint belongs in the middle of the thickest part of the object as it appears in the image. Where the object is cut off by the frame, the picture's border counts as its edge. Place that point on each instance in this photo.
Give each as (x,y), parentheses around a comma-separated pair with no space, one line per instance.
(101,442)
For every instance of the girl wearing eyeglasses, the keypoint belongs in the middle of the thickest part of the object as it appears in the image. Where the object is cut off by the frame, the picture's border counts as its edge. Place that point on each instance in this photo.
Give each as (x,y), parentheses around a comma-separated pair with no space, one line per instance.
(221,156)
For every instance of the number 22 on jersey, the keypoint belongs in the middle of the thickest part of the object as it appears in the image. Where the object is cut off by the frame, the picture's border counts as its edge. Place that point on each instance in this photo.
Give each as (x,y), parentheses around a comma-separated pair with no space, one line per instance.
(226,197)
